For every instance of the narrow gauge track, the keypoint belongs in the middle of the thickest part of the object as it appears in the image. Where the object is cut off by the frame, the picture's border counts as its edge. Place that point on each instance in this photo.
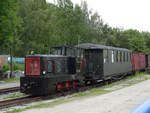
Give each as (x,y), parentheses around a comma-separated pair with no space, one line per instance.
(30,99)
(8,90)
(26,100)
(17,101)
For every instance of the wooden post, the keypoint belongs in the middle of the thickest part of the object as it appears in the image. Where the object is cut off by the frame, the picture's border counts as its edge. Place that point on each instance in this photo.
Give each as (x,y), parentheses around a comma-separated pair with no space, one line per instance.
(11,67)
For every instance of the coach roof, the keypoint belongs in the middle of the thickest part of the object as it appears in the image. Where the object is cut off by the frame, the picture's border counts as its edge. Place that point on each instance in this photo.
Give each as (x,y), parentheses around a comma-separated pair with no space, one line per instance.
(97,46)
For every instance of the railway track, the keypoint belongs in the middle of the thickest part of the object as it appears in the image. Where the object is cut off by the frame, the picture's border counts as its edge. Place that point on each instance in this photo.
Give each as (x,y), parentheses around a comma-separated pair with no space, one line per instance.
(26,100)
(8,90)
(18,101)
(30,99)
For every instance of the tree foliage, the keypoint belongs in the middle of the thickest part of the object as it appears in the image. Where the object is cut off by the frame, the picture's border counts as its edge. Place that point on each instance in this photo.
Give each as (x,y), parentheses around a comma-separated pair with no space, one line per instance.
(64,23)
(9,25)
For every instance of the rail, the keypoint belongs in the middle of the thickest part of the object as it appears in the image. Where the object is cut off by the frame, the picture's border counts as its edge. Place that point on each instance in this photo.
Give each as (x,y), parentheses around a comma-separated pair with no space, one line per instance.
(7,90)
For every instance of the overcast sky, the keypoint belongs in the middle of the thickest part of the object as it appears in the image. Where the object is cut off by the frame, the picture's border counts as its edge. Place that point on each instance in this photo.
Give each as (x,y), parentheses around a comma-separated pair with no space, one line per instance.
(126,14)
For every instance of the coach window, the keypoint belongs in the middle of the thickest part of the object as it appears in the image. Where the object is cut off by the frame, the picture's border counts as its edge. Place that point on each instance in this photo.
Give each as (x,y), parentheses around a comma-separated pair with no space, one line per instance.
(112,56)
(116,56)
(129,55)
(115,52)
(105,56)
(120,56)
(125,56)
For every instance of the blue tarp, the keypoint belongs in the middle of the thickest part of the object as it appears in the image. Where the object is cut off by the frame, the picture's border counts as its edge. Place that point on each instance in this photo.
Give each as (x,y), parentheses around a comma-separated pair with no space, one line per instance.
(17,60)
(144,108)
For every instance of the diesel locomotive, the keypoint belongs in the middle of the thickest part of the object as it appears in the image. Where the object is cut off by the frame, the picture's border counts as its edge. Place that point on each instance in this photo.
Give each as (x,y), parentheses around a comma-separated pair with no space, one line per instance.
(72,66)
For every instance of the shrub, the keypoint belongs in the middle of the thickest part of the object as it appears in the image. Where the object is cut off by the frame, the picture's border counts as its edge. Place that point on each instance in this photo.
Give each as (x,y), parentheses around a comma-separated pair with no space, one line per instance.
(6,67)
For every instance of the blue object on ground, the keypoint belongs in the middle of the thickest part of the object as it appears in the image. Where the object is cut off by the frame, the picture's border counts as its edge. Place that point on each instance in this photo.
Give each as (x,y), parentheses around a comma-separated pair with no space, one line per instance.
(17,60)
(144,108)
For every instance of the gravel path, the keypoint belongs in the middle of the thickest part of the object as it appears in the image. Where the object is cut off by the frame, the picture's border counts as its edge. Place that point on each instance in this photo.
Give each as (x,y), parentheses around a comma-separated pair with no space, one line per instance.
(8,85)
(121,101)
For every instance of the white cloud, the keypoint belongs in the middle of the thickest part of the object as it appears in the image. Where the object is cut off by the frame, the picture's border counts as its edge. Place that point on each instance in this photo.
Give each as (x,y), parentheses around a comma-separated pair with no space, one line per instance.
(122,13)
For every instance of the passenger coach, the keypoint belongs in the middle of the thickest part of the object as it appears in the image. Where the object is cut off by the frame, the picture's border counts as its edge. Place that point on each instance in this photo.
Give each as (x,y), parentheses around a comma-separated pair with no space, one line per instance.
(103,62)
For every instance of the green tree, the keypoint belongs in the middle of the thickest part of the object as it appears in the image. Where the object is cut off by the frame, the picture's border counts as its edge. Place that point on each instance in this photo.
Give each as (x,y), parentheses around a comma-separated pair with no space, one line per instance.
(9,25)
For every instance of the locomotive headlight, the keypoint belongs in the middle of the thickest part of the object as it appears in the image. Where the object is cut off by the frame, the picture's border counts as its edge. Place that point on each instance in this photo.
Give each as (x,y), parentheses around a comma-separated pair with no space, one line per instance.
(44,72)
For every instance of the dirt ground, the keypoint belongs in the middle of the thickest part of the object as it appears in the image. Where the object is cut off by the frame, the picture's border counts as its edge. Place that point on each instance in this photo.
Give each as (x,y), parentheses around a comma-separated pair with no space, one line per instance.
(120,101)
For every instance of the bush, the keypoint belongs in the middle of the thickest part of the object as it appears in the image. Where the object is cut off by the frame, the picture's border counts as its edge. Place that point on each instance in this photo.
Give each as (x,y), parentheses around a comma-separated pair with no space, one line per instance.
(6,67)
(18,67)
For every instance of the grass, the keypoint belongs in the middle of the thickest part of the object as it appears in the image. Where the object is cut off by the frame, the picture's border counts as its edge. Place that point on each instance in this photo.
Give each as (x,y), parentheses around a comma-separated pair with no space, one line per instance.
(11,80)
(138,77)
(14,95)
(95,91)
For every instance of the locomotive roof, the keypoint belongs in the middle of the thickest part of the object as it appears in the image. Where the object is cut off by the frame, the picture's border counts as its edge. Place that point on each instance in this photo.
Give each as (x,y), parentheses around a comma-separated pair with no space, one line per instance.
(97,46)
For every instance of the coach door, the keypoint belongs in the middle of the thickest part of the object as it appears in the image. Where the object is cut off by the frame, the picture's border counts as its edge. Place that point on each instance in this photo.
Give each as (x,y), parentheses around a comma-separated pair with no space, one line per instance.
(93,63)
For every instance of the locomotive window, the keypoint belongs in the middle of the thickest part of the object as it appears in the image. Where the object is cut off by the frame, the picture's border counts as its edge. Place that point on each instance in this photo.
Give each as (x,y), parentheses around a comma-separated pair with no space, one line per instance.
(78,52)
(57,52)
(60,66)
(49,66)
(70,52)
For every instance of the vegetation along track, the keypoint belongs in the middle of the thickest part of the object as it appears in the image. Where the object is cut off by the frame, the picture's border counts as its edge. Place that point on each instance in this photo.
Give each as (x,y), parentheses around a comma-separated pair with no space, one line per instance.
(8,90)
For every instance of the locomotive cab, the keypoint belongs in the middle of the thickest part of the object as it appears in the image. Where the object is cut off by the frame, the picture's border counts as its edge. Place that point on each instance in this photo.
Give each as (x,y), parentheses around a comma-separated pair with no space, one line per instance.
(44,72)
(49,65)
